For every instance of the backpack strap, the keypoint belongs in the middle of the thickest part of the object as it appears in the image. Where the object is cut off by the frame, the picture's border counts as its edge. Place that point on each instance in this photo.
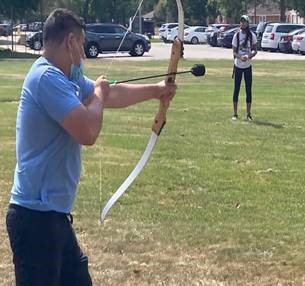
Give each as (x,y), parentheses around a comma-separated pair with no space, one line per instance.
(251,40)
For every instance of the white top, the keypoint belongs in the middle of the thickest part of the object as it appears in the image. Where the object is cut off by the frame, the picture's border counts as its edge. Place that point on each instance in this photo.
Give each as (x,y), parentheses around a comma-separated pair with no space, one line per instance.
(243,50)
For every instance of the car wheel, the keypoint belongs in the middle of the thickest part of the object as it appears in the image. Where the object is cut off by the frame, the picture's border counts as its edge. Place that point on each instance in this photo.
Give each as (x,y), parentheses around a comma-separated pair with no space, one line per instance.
(138,49)
(194,41)
(37,46)
(91,50)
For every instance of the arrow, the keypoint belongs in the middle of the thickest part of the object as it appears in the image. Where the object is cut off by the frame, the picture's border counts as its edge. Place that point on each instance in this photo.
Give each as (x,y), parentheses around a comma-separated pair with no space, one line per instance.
(196,70)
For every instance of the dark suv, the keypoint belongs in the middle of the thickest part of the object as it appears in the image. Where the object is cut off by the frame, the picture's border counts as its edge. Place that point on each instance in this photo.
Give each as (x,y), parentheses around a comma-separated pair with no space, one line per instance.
(5,30)
(102,38)
(34,40)
(259,33)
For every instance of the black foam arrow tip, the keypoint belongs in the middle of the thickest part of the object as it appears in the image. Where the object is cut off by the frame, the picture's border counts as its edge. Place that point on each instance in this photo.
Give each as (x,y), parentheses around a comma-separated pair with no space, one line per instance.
(198,70)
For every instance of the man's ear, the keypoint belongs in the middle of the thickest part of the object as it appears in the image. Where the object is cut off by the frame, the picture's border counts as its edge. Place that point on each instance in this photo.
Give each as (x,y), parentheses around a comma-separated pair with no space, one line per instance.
(69,39)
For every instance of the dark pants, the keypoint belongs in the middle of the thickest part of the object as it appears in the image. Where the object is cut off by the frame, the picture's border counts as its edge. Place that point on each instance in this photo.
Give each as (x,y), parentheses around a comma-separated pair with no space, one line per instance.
(45,249)
(248,82)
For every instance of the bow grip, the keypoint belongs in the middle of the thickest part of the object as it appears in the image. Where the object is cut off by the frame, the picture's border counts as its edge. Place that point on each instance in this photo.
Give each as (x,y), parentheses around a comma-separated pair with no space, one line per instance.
(160,118)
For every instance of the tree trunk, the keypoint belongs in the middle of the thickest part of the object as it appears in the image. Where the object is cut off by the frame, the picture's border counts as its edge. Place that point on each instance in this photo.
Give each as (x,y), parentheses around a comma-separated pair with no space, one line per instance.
(283,7)
(86,10)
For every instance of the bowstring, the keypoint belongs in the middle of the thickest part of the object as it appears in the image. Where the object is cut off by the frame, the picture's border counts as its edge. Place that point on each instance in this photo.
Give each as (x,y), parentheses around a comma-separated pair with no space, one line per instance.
(107,70)
(121,43)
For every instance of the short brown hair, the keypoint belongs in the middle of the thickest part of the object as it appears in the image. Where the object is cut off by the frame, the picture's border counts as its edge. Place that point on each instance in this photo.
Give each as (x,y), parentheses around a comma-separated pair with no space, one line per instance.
(60,23)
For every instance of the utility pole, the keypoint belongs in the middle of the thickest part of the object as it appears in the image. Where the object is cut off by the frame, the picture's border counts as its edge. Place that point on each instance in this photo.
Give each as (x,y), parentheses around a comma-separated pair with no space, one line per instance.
(255,2)
(41,13)
(140,20)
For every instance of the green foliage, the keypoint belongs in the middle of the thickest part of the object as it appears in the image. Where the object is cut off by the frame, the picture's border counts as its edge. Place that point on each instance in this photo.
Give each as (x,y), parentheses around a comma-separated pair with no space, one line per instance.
(298,5)
(16,9)
(196,11)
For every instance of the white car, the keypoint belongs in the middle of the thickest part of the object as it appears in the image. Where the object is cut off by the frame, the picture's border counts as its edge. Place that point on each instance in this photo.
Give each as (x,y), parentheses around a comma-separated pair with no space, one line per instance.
(195,35)
(173,33)
(165,29)
(273,32)
(298,43)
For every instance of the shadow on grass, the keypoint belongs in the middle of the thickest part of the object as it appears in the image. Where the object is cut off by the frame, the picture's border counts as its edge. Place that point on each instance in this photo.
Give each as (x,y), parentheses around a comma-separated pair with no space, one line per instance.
(7,100)
(265,123)
(8,54)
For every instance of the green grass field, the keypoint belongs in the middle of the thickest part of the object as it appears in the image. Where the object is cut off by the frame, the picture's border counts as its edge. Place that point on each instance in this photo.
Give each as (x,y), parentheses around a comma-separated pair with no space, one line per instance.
(219,203)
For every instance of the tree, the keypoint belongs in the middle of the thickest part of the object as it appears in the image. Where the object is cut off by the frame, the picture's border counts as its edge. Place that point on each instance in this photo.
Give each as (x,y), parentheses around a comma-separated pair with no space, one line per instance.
(196,11)
(16,9)
(212,10)
(283,8)
(232,9)
(298,5)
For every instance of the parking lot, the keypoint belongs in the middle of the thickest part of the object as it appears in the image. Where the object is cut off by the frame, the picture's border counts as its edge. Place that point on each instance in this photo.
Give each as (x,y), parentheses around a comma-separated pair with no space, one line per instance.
(161,51)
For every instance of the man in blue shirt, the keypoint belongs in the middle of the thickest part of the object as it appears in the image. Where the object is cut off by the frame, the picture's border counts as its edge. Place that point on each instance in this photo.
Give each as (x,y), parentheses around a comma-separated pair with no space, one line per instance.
(60,109)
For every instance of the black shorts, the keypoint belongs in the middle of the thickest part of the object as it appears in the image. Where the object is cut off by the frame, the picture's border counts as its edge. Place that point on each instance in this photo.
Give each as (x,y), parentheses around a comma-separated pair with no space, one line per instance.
(45,249)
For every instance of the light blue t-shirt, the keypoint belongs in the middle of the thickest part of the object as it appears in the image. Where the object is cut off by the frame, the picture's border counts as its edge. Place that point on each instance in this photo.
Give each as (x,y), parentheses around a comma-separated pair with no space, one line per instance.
(48,157)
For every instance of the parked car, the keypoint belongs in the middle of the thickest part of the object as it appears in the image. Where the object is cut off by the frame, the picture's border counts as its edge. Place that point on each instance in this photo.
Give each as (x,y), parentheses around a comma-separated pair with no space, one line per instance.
(225,39)
(273,33)
(213,33)
(286,40)
(20,27)
(5,30)
(34,40)
(211,29)
(108,37)
(213,36)
(173,34)
(35,26)
(298,43)
(195,35)
(302,45)
(260,29)
(165,29)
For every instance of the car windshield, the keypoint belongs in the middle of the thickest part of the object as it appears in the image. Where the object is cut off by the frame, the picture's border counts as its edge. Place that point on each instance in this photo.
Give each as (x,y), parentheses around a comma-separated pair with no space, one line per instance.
(261,27)
(297,31)
(210,29)
(200,29)
(302,34)
(269,29)
(232,30)
(227,27)
(185,28)
(172,26)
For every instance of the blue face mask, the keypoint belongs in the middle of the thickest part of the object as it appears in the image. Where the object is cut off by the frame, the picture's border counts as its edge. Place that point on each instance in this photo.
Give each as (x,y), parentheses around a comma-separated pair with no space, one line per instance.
(77,72)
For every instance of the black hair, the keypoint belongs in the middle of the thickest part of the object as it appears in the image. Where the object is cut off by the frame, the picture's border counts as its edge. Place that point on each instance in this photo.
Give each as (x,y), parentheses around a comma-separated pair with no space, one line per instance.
(60,23)
(248,36)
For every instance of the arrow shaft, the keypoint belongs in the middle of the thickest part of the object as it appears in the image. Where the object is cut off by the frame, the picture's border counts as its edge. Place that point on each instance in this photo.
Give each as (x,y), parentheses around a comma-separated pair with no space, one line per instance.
(151,76)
